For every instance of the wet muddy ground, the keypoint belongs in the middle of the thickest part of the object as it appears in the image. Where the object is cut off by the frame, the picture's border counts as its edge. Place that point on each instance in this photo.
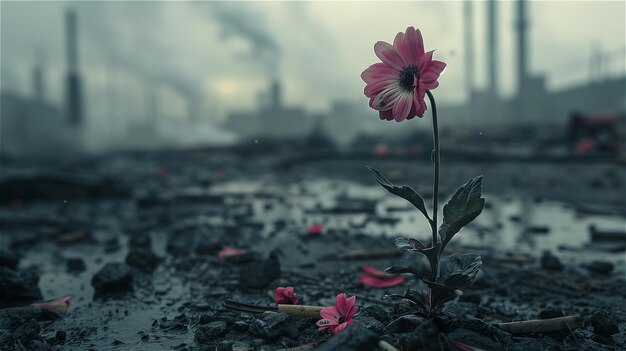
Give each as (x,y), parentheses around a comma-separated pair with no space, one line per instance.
(134,238)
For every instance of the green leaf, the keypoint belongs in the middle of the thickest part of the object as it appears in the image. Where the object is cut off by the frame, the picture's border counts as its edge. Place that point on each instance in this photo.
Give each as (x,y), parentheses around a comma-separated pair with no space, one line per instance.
(404,269)
(464,206)
(403,191)
(458,271)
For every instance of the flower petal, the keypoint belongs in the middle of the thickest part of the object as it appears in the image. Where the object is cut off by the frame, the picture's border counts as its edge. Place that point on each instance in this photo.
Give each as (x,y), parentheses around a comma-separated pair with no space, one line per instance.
(418,101)
(402,106)
(373,89)
(388,54)
(414,43)
(400,45)
(386,99)
(340,327)
(386,115)
(425,61)
(331,313)
(378,71)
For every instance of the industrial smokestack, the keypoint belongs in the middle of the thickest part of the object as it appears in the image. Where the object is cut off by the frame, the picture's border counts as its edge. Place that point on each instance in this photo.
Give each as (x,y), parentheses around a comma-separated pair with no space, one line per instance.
(492,48)
(275,95)
(469,46)
(522,49)
(38,93)
(73,84)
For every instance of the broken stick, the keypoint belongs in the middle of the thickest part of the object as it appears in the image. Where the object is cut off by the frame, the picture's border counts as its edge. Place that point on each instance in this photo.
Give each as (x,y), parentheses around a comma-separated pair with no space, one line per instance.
(543,325)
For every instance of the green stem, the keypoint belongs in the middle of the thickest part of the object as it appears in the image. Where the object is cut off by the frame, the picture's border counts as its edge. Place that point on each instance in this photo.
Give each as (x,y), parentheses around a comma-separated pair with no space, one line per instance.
(435,159)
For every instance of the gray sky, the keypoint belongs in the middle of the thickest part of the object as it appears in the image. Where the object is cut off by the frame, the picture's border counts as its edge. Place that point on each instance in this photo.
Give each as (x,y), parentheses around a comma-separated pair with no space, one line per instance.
(223,53)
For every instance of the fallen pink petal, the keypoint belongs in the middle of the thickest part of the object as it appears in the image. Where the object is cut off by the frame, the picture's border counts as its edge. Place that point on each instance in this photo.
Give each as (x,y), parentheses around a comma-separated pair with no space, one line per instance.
(314,229)
(286,295)
(376,278)
(228,251)
(58,306)
(338,317)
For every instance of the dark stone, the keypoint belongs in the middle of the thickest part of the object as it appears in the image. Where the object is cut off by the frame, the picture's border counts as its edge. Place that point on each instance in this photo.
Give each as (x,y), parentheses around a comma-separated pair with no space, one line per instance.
(18,288)
(471,298)
(28,331)
(75,265)
(377,312)
(37,345)
(534,344)
(8,259)
(143,259)
(113,278)
(473,339)
(551,312)
(241,326)
(271,326)
(410,323)
(353,338)
(140,241)
(604,324)
(210,332)
(259,274)
(370,323)
(210,248)
(550,262)
(600,267)
(461,309)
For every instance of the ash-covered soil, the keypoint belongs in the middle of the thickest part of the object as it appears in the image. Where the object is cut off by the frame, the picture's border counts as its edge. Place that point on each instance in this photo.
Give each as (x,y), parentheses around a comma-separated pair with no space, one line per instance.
(134,239)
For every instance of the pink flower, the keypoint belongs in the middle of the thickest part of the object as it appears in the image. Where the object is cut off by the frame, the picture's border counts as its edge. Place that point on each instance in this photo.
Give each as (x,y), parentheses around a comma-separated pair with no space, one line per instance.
(58,306)
(397,85)
(228,251)
(338,317)
(286,295)
(314,229)
(375,278)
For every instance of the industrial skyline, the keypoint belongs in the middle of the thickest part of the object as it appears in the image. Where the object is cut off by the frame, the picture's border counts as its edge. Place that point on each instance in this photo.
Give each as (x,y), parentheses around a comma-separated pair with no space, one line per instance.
(132,80)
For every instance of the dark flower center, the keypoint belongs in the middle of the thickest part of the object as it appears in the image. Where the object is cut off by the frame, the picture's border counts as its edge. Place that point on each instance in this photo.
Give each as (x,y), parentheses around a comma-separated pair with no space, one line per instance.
(407,76)
(341,319)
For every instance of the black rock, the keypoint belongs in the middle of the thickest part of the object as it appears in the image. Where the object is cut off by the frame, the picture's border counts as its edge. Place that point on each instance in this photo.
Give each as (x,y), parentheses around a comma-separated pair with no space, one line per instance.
(8,259)
(535,344)
(410,323)
(470,297)
(28,331)
(37,345)
(377,312)
(210,332)
(143,259)
(271,326)
(551,312)
(550,262)
(259,274)
(18,287)
(604,324)
(353,338)
(241,326)
(600,267)
(473,339)
(369,323)
(113,278)
(140,241)
(75,265)
(461,309)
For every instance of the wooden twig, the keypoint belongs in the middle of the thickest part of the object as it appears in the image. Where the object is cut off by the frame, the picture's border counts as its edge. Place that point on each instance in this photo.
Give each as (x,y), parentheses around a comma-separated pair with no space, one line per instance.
(386,346)
(295,310)
(543,325)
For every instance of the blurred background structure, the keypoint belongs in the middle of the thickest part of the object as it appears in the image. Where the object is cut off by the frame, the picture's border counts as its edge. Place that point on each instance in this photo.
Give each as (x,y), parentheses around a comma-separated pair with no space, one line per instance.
(81,77)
